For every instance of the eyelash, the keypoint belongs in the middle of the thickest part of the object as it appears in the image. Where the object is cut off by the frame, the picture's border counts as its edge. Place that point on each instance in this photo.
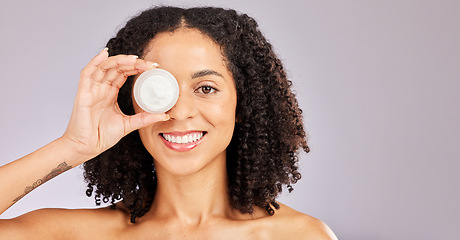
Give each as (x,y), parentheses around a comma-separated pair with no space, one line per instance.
(212,89)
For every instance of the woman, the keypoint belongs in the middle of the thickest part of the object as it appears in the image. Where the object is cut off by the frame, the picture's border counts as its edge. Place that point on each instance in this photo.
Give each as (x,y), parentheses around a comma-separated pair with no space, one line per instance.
(240,123)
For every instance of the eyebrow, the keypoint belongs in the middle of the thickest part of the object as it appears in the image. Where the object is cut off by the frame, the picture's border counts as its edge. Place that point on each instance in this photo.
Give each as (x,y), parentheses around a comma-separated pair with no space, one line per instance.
(206,72)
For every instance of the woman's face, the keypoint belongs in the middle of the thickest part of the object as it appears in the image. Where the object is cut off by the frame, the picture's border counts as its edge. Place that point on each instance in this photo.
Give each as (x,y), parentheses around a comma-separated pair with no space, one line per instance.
(203,119)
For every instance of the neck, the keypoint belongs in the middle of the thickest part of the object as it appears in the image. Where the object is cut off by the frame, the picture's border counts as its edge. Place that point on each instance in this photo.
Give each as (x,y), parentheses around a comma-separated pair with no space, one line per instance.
(194,198)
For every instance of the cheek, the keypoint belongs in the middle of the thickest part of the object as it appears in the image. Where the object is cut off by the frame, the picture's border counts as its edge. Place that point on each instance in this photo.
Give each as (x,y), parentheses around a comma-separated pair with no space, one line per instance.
(224,115)
(145,137)
(148,137)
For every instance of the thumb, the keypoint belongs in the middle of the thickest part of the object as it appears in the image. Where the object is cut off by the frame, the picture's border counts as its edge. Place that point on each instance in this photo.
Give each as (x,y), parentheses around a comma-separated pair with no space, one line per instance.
(143,119)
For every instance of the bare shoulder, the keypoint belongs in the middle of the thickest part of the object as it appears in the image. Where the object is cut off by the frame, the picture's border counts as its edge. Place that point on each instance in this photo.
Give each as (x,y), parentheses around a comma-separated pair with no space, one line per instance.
(64,224)
(289,222)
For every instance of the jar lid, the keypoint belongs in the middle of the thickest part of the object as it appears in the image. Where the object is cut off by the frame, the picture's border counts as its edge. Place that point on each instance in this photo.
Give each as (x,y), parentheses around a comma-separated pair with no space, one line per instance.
(156,91)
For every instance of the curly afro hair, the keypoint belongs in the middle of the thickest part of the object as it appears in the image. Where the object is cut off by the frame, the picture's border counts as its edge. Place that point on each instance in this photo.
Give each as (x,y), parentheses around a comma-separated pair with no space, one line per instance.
(263,153)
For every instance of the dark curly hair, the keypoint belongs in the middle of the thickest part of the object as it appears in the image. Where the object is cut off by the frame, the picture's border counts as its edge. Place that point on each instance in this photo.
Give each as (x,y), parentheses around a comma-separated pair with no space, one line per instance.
(263,153)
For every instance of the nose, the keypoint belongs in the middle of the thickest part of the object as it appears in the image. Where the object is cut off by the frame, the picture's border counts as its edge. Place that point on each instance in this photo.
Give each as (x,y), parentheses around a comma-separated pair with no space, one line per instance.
(184,108)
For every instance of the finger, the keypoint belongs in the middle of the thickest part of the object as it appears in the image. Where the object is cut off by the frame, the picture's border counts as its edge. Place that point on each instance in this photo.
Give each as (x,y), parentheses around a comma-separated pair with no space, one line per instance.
(98,59)
(143,119)
(87,71)
(117,61)
(141,65)
(121,63)
(117,76)
(99,74)
(121,79)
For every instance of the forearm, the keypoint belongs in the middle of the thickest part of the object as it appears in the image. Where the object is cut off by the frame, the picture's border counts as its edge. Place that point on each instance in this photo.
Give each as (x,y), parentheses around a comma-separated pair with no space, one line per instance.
(27,173)
(96,124)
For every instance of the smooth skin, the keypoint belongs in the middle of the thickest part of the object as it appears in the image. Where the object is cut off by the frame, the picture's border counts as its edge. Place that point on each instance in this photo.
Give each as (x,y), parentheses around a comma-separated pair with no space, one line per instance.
(192,200)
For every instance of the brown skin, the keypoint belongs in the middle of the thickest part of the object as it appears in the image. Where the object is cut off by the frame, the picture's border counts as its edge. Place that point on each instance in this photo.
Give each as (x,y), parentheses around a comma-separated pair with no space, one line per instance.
(114,224)
(192,201)
(196,177)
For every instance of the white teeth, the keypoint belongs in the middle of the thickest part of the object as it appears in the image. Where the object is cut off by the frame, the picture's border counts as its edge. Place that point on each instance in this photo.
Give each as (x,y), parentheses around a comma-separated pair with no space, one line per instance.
(188,138)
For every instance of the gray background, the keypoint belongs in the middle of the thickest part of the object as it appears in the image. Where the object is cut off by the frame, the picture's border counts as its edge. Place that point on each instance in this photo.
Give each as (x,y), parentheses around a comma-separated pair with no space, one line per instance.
(378,82)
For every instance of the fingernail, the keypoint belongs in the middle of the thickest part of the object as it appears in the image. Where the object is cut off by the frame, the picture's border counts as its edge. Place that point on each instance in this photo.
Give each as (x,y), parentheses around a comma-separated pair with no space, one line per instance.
(105,50)
(133,56)
(154,64)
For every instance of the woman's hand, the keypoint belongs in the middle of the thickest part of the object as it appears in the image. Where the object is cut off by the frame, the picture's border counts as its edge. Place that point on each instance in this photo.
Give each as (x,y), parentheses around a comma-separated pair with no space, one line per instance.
(97,122)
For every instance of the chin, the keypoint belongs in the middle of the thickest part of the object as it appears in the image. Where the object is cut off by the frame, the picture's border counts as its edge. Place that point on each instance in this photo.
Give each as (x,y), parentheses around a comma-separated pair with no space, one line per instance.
(190,164)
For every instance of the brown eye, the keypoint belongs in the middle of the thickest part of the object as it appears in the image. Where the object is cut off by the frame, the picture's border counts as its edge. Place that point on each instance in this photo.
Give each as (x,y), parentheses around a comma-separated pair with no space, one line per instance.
(206,90)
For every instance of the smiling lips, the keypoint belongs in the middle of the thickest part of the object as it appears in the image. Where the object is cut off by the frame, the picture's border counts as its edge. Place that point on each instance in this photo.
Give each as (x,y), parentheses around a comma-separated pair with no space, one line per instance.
(182,142)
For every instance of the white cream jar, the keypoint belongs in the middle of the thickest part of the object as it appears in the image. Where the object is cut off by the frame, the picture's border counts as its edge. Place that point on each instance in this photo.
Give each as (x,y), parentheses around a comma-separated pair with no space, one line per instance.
(156,91)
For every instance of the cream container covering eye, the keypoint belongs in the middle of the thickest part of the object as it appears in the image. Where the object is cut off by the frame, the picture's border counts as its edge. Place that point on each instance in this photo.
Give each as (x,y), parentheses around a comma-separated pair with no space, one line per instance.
(156,91)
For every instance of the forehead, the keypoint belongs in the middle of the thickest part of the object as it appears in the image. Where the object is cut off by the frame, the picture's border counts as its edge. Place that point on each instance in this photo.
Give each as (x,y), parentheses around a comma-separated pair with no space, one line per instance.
(185,44)
(186,52)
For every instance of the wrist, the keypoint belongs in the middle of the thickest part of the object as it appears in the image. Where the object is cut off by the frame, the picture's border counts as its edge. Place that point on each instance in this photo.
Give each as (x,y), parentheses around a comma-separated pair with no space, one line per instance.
(71,152)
